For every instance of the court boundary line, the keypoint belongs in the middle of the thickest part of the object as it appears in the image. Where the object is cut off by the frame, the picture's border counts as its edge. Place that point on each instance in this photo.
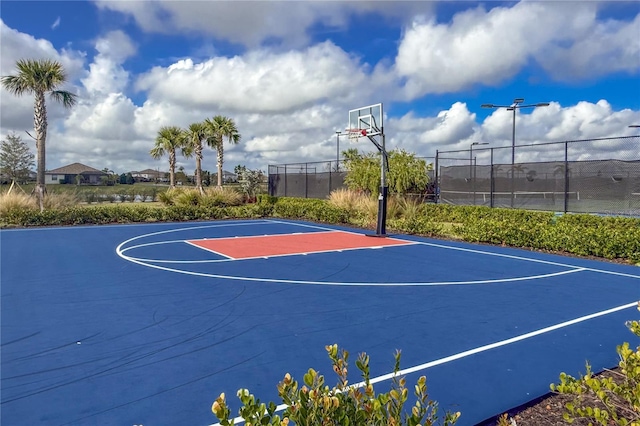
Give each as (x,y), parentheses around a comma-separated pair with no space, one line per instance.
(240,259)
(474,351)
(146,263)
(348,284)
(572,268)
(207,249)
(489,253)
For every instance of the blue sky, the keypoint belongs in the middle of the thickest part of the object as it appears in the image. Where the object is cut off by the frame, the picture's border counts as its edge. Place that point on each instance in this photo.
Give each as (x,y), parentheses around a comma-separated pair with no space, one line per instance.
(288,72)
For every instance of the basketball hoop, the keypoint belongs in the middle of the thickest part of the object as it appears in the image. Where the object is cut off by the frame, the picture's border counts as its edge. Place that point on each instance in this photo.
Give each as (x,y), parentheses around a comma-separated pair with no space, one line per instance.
(356,133)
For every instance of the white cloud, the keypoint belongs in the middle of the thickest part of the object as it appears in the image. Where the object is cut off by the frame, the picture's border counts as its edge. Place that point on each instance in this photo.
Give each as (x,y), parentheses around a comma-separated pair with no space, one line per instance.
(261,81)
(287,103)
(285,23)
(56,23)
(490,47)
(423,135)
(106,73)
(610,46)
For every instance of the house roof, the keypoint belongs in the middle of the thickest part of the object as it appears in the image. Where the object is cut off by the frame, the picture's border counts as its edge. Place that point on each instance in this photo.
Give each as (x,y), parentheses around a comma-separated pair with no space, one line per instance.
(75,169)
(150,172)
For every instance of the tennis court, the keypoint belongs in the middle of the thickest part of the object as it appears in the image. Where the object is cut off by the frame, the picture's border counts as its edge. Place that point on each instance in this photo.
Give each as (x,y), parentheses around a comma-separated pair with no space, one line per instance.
(147,324)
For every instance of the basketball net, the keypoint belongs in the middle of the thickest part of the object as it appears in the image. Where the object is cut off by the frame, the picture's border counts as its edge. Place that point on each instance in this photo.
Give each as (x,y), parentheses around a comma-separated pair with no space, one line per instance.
(356,133)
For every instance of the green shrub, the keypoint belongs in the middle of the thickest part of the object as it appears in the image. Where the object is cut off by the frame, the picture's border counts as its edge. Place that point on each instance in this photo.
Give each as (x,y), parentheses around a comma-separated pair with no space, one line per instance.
(407,173)
(610,238)
(188,197)
(316,404)
(311,209)
(605,400)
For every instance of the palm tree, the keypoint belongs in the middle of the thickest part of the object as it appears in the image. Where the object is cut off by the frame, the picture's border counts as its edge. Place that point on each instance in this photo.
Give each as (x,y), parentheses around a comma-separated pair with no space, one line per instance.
(195,135)
(170,139)
(217,129)
(38,77)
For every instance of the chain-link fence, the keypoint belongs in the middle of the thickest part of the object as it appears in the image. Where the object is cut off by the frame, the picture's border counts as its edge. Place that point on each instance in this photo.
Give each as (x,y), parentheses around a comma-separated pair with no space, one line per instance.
(571,176)
(582,176)
(318,179)
(306,180)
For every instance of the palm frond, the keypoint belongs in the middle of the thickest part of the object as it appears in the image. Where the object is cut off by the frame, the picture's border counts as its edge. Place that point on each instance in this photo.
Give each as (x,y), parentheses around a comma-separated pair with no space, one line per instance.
(67,99)
(16,85)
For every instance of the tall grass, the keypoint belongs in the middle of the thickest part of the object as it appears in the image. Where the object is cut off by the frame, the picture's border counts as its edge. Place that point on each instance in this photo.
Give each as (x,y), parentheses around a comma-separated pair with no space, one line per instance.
(214,196)
(345,199)
(60,200)
(362,208)
(16,201)
(223,196)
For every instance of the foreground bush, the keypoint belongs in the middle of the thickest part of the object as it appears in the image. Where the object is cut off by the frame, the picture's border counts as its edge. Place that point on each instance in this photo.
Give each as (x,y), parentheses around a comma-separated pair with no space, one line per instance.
(605,400)
(316,404)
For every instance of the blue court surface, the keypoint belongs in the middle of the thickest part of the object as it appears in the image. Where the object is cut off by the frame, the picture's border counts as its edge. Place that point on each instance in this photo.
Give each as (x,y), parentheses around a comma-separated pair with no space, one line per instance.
(138,325)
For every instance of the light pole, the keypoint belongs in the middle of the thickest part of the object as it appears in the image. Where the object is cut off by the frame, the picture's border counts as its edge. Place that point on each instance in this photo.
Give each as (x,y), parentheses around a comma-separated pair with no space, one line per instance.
(338,151)
(517,104)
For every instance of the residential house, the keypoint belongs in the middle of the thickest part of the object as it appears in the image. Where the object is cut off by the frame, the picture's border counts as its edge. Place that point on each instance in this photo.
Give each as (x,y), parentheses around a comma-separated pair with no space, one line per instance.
(227,177)
(149,175)
(75,173)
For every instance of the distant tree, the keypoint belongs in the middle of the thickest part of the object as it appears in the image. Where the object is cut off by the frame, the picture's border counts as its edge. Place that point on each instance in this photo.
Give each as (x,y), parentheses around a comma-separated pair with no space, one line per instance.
(195,136)
(122,180)
(168,141)
(110,179)
(239,169)
(39,77)
(217,129)
(181,176)
(250,182)
(129,180)
(206,178)
(16,160)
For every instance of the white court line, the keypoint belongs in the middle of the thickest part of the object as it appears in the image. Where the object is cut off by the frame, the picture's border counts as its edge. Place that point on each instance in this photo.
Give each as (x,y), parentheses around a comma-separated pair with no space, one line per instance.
(573,268)
(229,258)
(335,283)
(240,237)
(489,253)
(474,351)
(157,243)
(208,249)
(145,262)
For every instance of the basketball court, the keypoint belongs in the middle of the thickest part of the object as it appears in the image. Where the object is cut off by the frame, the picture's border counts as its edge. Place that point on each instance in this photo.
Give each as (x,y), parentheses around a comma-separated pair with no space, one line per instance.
(148,324)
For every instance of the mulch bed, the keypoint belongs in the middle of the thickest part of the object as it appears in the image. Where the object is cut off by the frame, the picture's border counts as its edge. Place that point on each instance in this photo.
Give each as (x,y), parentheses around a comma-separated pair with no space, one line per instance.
(549,410)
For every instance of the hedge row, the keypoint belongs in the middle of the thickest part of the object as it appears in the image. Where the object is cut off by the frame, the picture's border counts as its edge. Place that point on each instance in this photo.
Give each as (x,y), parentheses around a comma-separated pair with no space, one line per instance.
(580,234)
(606,237)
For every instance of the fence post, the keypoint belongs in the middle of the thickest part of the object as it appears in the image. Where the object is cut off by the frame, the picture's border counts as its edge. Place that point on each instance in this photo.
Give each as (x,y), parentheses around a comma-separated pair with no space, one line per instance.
(285,180)
(492,182)
(306,180)
(436,187)
(566,176)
